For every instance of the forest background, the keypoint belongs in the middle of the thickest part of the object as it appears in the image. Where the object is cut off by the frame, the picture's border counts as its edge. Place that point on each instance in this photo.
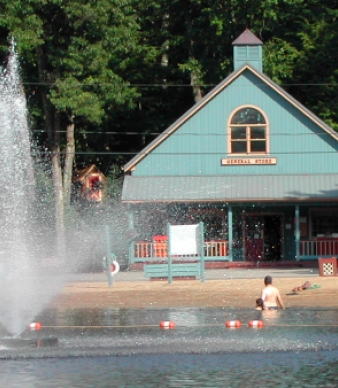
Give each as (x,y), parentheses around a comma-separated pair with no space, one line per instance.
(104,77)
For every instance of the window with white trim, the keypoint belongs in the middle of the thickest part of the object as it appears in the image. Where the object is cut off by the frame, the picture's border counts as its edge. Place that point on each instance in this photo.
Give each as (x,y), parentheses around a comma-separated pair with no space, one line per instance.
(248,132)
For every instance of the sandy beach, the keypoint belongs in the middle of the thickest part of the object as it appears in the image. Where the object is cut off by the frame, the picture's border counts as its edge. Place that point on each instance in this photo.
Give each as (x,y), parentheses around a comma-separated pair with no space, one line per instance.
(227,293)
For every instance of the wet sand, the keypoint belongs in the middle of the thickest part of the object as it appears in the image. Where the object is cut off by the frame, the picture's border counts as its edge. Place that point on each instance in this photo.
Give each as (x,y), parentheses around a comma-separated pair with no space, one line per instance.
(234,293)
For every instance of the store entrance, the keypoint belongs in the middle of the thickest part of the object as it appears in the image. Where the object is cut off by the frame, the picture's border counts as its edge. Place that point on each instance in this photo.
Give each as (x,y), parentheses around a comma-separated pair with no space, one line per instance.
(263,237)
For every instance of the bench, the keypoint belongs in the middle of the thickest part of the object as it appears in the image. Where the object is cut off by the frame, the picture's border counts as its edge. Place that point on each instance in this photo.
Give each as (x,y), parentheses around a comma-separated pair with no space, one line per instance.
(184,270)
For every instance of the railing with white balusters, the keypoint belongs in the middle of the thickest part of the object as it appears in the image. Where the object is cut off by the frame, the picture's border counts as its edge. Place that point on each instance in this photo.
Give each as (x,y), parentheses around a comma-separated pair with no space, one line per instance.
(317,248)
(142,251)
(155,251)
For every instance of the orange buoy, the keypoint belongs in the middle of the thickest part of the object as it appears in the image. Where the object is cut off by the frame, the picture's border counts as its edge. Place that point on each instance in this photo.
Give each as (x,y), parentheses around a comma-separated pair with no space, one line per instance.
(167,325)
(256,323)
(236,323)
(35,326)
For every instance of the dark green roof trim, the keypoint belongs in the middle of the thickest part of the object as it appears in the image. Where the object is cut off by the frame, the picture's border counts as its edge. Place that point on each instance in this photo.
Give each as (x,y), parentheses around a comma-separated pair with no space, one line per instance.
(212,94)
(251,188)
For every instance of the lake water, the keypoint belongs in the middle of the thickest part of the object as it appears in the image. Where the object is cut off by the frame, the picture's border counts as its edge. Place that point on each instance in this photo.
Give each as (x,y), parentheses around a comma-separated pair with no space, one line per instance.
(307,369)
(119,348)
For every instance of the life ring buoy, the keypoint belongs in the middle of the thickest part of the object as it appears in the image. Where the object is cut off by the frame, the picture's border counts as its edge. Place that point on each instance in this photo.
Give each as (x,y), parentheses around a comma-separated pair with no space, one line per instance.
(114,266)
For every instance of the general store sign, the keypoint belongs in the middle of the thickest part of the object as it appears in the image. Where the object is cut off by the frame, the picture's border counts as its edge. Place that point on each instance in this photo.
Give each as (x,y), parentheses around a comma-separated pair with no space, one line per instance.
(241,161)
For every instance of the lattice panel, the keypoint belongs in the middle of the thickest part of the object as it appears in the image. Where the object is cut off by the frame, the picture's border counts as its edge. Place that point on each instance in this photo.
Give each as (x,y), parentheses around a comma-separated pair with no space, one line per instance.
(328,269)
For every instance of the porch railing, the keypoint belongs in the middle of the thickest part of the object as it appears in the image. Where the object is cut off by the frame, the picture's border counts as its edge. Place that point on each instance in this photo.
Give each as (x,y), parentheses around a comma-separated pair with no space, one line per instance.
(152,251)
(316,248)
(141,251)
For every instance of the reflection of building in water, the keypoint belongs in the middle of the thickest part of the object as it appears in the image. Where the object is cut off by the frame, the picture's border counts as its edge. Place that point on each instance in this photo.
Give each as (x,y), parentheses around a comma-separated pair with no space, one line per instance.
(250,162)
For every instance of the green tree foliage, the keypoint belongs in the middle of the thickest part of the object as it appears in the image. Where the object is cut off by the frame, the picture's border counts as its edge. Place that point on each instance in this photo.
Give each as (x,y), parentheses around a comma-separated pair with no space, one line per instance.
(317,70)
(77,56)
(117,72)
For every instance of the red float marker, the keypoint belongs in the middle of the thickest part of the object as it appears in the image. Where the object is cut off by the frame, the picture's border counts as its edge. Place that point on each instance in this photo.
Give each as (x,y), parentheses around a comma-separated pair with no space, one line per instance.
(35,326)
(236,323)
(167,325)
(256,323)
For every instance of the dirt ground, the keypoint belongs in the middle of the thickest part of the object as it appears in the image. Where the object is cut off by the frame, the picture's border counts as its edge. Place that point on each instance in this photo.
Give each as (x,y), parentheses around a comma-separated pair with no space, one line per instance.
(235,293)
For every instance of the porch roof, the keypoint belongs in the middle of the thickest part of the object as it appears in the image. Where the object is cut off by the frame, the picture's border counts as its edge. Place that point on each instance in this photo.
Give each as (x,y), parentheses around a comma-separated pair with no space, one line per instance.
(250,188)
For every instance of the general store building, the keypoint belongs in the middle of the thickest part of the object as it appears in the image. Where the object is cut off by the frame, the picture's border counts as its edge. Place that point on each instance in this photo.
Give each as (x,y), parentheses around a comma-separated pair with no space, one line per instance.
(257,167)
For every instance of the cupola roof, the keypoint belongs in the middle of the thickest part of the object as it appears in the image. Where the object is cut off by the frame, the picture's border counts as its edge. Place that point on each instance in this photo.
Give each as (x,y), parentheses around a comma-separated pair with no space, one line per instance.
(247,38)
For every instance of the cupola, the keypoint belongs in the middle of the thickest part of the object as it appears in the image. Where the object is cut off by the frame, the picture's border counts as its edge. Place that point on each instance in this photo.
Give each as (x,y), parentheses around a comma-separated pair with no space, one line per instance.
(247,48)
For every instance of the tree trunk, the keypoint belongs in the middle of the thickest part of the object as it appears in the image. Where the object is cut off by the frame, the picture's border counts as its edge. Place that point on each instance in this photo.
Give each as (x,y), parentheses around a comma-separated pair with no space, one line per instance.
(57,179)
(47,106)
(196,89)
(53,131)
(194,78)
(69,159)
(165,47)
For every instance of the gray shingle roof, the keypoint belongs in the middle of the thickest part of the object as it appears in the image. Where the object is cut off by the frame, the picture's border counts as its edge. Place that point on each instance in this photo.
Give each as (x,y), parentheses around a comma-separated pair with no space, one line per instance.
(253,188)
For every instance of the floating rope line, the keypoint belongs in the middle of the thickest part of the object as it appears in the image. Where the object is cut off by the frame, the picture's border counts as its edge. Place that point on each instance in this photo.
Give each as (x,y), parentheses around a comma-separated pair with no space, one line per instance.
(190,326)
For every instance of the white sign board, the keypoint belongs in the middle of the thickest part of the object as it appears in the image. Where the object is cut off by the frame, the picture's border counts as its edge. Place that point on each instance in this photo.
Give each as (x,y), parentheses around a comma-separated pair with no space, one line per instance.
(184,239)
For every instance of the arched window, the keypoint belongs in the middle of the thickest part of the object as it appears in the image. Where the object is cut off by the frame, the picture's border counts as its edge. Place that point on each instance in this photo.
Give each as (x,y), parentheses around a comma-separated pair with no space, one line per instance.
(248,132)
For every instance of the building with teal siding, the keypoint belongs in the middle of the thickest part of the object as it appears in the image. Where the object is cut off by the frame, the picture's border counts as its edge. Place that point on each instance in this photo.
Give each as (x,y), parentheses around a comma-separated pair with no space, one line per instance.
(253,164)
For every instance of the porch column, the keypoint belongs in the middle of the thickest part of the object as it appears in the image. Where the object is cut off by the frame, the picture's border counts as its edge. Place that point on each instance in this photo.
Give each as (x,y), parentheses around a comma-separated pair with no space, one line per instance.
(130,218)
(297,232)
(230,232)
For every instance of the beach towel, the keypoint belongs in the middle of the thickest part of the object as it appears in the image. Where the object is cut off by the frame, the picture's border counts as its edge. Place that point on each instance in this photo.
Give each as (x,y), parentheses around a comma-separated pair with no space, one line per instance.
(314,286)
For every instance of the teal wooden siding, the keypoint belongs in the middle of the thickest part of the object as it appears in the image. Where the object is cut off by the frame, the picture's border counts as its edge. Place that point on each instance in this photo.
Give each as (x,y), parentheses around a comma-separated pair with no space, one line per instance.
(197,147)
(248,54)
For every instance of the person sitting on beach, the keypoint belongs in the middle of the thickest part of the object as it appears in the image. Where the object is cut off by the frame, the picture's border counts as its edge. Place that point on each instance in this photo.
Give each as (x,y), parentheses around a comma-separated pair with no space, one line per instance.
(271,296)
(303,287)
(259,304)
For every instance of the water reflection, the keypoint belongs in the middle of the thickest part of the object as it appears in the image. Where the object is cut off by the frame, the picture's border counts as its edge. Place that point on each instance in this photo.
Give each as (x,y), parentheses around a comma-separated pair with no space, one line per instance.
(257,370)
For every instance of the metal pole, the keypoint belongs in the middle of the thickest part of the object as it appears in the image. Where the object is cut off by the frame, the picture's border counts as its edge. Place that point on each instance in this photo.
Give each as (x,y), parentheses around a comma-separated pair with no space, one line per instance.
(201,239)
(170,275)
(108,256)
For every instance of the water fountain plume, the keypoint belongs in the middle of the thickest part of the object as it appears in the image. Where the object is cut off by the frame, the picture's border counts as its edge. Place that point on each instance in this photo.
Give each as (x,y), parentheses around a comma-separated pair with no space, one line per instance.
(22,283)
(33,268)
